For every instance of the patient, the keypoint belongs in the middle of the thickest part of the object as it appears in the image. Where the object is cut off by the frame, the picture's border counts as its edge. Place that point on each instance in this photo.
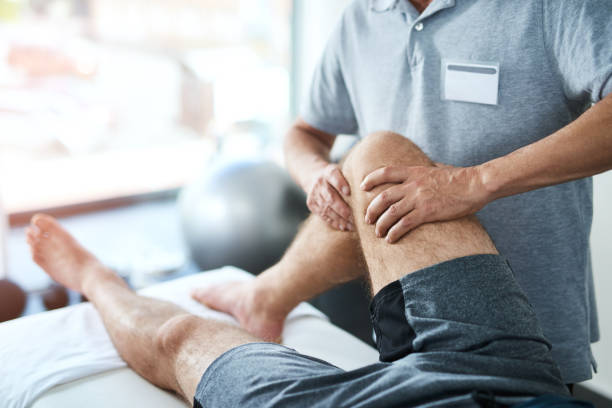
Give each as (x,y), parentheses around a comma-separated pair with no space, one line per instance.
(452,326)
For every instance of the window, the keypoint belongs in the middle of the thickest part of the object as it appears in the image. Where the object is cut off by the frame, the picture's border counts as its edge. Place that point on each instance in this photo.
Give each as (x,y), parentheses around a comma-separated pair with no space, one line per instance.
(111,98)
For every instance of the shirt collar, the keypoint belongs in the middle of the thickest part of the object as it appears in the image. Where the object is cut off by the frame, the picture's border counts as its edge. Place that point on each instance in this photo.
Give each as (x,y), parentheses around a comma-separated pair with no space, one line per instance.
(382,6)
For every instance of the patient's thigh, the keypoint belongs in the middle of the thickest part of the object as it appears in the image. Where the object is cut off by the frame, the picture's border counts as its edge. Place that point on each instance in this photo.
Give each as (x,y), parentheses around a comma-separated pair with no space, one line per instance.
(424,246)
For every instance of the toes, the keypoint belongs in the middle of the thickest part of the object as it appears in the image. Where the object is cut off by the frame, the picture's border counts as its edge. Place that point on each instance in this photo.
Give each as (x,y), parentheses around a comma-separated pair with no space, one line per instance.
(32,234)
(217,297)
(43,222)
(204,295)
(37,256)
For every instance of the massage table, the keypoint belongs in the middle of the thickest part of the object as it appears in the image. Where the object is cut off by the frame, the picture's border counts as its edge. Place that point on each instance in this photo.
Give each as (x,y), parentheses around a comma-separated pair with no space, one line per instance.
(89,372)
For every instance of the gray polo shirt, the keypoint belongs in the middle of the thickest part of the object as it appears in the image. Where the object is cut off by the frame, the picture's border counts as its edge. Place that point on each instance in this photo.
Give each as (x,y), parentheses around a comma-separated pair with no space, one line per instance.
(472,80)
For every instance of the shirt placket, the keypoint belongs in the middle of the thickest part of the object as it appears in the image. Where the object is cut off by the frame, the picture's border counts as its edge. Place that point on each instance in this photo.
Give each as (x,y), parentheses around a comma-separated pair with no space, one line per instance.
(417,25)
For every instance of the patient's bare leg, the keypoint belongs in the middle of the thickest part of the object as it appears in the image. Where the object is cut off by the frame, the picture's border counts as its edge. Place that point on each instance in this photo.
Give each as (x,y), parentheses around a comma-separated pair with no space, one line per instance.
(321,258)
(425,246)
(172,348)
(318,259)
(159,340)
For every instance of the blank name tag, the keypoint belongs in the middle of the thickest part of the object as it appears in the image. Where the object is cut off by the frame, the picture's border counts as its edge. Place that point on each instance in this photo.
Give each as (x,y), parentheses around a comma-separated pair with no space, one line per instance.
(470,81)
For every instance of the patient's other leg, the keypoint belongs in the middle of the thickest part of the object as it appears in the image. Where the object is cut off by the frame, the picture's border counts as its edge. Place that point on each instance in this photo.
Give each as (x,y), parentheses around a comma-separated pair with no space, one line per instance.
(160,341)
(319,259)
(427,245)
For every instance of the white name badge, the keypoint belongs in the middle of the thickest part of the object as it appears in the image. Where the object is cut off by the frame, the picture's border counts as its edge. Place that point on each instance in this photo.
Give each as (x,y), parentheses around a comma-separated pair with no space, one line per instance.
(470,81)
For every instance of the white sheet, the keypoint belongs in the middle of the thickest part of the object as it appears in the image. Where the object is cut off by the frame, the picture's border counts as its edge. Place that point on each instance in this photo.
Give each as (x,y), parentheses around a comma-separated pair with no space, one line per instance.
(123,388)
(41,351)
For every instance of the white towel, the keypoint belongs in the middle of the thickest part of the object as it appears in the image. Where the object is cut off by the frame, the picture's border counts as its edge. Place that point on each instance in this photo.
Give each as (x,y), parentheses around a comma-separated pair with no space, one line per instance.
(41,351)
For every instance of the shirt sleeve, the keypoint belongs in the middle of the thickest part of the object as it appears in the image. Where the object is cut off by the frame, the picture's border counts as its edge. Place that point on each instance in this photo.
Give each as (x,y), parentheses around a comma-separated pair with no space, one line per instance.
(328,106)
(578,34)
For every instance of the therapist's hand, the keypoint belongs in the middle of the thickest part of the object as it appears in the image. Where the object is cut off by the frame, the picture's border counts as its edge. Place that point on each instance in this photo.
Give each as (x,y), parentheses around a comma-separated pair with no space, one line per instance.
(421,195)
(325,197)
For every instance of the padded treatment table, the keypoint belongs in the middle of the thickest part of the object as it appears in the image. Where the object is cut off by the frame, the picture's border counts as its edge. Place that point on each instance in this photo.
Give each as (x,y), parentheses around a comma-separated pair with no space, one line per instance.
(123,388)
(306,330)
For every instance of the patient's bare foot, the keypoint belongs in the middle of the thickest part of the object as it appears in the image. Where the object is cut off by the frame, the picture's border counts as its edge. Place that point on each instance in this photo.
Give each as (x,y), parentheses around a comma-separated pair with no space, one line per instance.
(61,256)
(243,301)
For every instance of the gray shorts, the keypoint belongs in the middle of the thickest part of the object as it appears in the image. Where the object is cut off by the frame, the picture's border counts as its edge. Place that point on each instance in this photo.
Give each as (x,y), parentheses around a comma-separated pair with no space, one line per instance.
(453,334)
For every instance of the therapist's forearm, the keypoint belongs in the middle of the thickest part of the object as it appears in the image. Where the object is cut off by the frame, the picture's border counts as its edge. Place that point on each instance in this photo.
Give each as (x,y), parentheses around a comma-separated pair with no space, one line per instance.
(306,152)
(581,149)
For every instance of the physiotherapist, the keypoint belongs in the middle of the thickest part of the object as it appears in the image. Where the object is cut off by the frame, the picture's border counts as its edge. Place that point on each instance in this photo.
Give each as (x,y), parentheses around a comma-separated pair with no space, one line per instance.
(513,99)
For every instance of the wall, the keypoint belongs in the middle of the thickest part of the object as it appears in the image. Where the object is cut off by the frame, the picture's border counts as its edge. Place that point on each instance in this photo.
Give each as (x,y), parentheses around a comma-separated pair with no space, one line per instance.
(601,242)
(315,21)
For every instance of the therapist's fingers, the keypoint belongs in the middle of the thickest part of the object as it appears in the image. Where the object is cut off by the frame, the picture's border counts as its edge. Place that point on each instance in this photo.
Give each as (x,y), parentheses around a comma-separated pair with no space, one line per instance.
(334,209)
(334,200)
(317,207)
(326,202)
(393,215)
(382,202)
(336,220)
(315,201)
(336,179)
(387,174)
(406,224)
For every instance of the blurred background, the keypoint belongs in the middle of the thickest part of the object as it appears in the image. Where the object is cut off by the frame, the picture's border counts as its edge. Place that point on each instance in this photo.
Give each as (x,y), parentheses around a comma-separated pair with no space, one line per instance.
(127,119)
(90,87)
(153,130)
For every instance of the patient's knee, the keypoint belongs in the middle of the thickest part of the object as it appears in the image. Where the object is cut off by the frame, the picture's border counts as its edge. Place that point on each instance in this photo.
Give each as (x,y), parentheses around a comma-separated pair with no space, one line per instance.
(383,138)
(378,149)
(173,333)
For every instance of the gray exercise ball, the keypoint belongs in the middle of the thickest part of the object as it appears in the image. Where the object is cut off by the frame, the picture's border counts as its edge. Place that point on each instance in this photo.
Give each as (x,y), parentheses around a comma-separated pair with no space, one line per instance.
(241,213)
